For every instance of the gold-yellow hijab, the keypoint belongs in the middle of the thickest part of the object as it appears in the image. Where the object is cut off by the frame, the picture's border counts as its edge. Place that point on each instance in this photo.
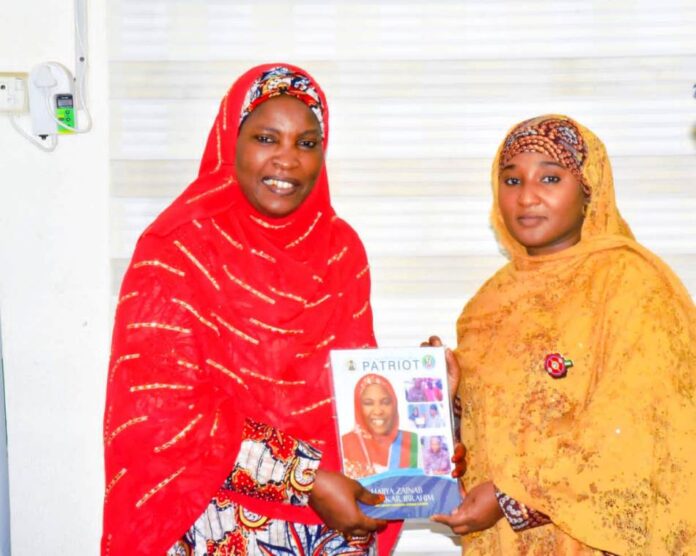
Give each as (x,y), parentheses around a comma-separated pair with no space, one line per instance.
(608,451)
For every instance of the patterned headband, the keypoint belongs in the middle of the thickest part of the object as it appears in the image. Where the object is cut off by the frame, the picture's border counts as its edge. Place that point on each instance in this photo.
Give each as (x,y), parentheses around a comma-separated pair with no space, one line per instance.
(557,138)
(282,81)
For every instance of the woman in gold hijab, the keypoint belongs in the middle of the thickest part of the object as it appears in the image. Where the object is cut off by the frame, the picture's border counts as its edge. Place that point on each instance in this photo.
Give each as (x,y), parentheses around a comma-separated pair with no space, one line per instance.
(577,368)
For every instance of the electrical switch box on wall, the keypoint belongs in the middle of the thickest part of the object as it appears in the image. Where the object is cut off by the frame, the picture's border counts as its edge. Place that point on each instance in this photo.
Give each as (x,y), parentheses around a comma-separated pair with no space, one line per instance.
(13,92)
(51,99)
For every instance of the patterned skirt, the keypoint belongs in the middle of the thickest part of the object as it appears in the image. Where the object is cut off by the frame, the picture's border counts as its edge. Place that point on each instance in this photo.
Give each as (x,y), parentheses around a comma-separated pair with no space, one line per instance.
(227,529)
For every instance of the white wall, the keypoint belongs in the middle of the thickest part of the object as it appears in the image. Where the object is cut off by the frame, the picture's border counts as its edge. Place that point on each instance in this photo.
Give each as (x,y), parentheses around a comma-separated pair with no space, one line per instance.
(4,484)
(54,295)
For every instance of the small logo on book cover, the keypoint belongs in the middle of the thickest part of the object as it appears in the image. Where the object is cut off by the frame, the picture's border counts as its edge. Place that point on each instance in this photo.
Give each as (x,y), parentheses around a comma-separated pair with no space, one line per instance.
(428,361)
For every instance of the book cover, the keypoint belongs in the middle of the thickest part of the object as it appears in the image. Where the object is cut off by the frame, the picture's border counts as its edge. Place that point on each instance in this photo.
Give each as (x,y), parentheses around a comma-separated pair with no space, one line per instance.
(395,424)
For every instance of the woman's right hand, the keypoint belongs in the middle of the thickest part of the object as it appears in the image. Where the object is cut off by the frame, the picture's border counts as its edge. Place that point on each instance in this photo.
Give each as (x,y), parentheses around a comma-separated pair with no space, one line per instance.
(335,498)
(453,371)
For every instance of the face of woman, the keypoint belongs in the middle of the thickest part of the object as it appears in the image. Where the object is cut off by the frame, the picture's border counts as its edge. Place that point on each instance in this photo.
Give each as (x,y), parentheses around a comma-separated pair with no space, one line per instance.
(435,444)
(279,155)
(541,202)
(378,409)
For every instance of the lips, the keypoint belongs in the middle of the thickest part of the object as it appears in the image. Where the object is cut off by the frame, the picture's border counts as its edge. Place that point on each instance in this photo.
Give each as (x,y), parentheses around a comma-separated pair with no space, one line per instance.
(280,186)
(530,220)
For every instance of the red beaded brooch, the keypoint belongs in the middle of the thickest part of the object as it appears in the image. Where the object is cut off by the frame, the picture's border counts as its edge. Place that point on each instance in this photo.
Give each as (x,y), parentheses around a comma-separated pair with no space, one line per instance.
(556,365)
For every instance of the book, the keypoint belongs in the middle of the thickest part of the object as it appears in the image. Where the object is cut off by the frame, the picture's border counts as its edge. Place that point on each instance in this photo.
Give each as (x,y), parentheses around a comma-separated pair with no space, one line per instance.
(394,422)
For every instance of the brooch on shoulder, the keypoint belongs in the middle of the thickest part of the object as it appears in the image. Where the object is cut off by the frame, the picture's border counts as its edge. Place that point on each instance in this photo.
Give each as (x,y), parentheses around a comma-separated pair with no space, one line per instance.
(556,365)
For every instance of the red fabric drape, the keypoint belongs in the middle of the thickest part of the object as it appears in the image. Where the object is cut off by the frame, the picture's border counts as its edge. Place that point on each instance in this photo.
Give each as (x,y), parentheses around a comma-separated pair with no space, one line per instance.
(224,314)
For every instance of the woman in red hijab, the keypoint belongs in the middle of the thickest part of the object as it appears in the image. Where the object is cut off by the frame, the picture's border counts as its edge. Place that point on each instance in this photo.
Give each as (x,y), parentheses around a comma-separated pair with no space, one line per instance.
(218,430)
(377,445)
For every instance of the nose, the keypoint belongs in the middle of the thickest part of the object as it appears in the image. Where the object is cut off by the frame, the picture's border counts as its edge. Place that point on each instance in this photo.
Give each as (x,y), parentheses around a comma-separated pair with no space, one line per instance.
(285,157)
(527,196)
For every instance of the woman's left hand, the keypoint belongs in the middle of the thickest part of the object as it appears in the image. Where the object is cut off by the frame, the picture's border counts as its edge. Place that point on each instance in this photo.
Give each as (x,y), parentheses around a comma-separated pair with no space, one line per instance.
(479,511)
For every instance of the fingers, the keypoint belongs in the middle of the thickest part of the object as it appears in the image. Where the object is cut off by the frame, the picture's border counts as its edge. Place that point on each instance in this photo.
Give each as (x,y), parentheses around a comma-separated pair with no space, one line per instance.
(451,360)
(452,364)
(355,533)
(453,522)
(370,498)
(458,470)
(459,452)
(453,373)
(375,524)
(459,460)
(432,341)
(366,526)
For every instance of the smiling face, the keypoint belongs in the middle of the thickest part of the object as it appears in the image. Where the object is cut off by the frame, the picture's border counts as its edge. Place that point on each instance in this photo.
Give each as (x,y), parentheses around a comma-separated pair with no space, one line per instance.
(542,203)
(378,409)
(279,155)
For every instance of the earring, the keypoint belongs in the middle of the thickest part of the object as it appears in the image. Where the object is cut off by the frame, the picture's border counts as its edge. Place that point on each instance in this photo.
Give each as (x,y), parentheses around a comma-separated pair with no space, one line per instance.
(585,204)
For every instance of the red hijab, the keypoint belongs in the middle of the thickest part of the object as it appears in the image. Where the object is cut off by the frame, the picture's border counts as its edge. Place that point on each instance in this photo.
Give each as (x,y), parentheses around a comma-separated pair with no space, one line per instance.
(224,314)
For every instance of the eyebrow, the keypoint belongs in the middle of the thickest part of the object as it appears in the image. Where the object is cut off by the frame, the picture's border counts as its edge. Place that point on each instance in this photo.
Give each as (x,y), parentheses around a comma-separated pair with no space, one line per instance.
(305,132)
(543,163)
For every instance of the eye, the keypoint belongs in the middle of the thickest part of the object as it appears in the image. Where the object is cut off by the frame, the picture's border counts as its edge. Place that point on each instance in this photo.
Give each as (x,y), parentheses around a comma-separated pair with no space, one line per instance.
(307,144)
(511,181)
(550,179)
(266,139)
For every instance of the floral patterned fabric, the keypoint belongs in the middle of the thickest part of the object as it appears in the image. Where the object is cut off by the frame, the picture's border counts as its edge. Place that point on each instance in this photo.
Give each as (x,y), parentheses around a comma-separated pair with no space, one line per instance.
(273,466)
(605,447)
(230,530)
(519,516)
